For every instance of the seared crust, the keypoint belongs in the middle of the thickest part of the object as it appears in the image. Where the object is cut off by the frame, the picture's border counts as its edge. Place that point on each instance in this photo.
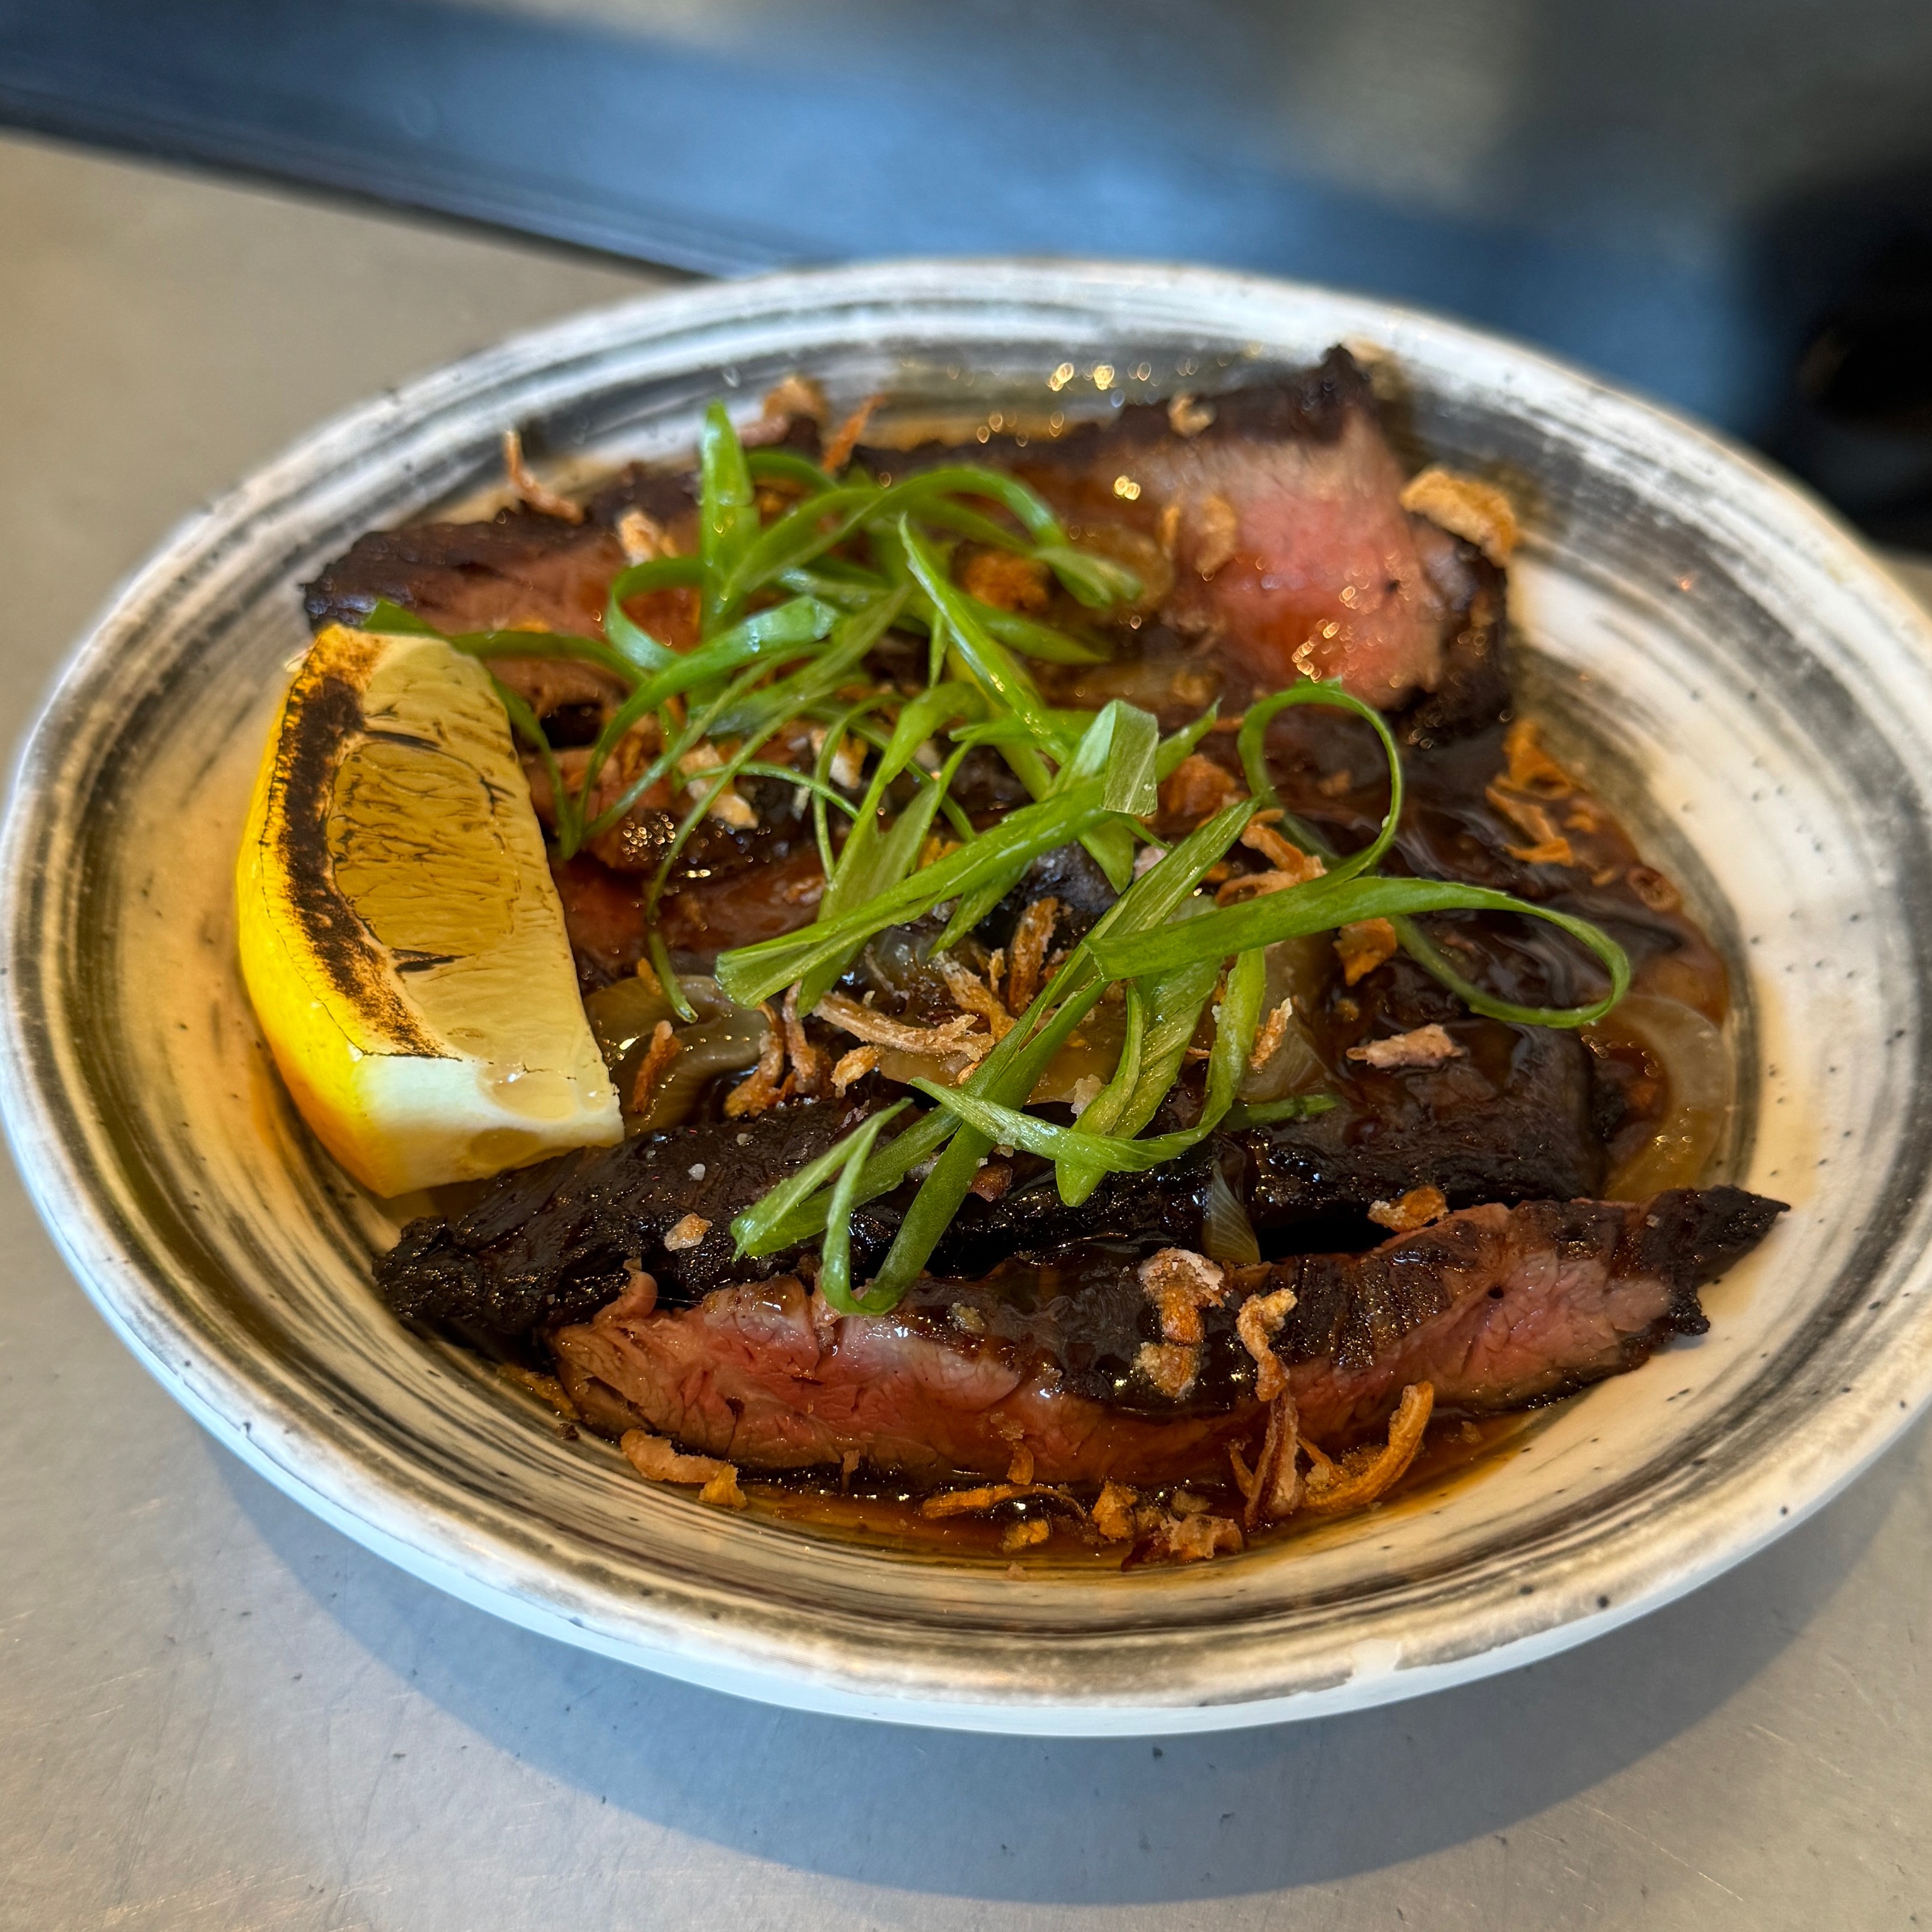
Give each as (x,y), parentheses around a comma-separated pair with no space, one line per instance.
(1491,1310)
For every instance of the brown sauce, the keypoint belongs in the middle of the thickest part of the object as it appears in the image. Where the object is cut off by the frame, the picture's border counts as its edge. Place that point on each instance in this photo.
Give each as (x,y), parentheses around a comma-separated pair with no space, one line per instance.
(1665,1052)
(879,1517)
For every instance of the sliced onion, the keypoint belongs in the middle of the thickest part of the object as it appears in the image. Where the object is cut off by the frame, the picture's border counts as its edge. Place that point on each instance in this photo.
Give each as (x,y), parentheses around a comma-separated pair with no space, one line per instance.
(1092,1052)
(1227,1234)
(623,1014)
(726,1044)
(726,1039)
(895,1063)
(1701,1082)
(1295,967)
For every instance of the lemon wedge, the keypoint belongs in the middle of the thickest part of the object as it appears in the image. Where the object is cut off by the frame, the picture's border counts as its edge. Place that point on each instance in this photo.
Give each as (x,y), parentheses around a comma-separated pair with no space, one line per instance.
(400,934)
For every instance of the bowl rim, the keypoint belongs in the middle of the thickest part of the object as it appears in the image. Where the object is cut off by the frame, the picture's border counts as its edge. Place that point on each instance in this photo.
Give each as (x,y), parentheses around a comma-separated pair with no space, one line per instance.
(828,1672)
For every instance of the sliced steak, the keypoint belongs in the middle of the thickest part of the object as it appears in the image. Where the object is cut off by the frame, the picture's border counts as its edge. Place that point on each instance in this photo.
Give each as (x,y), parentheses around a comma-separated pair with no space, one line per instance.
(1499,1308)
(1292,552)
(520,567)
(1073,1354)
(1507,1120)
(553,1242)
(767,1377)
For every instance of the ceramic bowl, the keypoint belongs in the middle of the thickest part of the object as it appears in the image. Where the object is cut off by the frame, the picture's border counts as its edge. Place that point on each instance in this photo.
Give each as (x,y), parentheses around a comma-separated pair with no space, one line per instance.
(1724,656)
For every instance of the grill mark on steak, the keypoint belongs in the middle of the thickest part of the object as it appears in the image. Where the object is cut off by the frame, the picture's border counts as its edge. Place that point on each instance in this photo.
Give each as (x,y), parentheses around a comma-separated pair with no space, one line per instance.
(1501,1308)
(1496,1308)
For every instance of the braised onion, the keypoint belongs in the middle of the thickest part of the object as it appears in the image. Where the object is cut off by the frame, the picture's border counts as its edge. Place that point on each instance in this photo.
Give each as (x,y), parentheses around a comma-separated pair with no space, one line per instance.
(1700,1082)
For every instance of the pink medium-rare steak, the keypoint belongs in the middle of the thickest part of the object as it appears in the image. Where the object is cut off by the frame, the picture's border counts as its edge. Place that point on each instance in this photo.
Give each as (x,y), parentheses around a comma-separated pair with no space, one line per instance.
(1280,503)
(1500,1308)
(766,1377)
(1496,1308)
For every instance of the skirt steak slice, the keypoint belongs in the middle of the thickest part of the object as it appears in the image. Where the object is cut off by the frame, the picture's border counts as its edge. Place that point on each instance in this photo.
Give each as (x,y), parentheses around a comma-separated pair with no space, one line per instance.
(1496,1307)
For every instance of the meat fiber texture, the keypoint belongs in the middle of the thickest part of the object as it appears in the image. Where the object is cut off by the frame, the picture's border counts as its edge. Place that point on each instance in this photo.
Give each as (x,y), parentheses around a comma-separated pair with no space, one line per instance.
(1494,1308)
(765,1378)
(1293,553)
(1500,1308)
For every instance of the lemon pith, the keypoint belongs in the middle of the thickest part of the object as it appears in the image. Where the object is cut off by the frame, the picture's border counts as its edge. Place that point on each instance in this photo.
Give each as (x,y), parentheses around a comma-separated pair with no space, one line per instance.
(400,936)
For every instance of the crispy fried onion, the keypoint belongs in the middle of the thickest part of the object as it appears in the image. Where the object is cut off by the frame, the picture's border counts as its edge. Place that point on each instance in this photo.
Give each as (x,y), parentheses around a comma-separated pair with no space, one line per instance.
(1179,1283)
(1174,1538)
(1477,512)
(1417,1208)
(1031,938)
(972,995)
(536,495)
(1363,945)
(1217,529)
(765,1084)
(1289,865)
(853,1065)
(807,1064)
(1428,1045)
(1198,788)
(1023,1532)
(768,1082)
(663,1049)
(845,437)
(642,536)
(1364,1475)
(724,803)
(793,395)
(1274,1490)
(1532,771)
(1258,1324)
(1260,835)
(1186,415)
(688,1233)
(660,1460)
(955,1035)
(1011,1432)
(1185,1530)
(988,1496)
(1273,1031)
(545,1388)
(1277,1487)
(1547,846)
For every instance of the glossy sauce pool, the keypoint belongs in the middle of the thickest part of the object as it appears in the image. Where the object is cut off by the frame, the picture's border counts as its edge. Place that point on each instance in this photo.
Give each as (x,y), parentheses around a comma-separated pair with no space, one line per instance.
(1454,1455)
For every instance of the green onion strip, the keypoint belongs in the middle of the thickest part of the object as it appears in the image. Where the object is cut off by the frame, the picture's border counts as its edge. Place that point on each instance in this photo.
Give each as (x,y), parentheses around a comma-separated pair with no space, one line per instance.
(1441,896)
(759,663)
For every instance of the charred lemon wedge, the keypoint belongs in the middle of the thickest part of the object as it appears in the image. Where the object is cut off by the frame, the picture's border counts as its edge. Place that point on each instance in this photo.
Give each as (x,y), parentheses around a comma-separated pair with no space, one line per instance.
(401,937)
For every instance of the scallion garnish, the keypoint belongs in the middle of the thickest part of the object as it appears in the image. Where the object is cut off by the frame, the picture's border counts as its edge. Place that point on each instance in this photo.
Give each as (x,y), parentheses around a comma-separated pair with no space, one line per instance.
(788,612)
(1323,905)
(835,1272)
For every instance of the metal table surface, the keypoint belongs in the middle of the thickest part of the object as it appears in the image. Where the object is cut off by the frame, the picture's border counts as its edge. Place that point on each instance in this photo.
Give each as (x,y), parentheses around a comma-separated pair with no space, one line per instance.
(217,1714)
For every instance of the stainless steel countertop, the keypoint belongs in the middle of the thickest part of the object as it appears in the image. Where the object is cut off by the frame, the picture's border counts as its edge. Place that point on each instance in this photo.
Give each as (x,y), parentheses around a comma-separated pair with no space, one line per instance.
(218,1715)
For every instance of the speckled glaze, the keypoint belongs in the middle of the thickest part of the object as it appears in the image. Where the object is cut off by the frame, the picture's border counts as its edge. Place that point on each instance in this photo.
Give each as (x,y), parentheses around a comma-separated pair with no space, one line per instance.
(1722,657)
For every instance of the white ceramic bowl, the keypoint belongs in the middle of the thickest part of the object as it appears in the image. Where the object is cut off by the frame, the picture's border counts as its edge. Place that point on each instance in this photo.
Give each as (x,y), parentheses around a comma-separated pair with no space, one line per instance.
(1748,681)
